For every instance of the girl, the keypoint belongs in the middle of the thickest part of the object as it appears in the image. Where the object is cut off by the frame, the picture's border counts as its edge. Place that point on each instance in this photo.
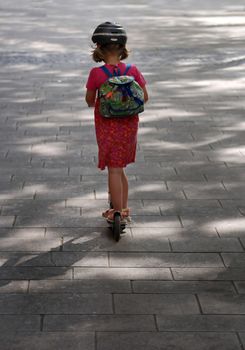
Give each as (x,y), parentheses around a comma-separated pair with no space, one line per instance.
(116,137)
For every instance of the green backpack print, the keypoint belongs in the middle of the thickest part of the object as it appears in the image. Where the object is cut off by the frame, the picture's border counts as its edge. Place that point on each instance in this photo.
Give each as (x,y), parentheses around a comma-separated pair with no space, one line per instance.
(120,95)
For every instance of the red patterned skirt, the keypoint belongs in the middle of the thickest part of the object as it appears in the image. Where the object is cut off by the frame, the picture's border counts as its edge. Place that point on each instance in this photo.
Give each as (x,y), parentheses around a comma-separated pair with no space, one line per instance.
(117,140)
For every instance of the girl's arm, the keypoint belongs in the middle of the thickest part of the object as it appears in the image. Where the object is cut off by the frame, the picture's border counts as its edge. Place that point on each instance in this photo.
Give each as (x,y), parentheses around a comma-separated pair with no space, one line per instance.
(90,97)
(145,94)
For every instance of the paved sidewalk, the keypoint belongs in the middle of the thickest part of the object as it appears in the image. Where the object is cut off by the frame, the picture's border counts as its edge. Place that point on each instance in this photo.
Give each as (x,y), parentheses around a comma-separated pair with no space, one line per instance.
(176,279)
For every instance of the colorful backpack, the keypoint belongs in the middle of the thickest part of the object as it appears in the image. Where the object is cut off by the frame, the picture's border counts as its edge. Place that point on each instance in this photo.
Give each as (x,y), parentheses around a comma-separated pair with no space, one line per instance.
(120,95)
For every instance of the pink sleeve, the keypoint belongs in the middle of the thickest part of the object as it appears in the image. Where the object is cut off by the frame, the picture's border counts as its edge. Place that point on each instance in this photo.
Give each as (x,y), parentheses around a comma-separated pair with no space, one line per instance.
(92,80)
(138,76)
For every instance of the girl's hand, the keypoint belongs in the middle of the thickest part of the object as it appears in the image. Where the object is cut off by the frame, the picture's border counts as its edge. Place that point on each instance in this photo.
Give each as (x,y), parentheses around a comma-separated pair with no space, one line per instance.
(90,98)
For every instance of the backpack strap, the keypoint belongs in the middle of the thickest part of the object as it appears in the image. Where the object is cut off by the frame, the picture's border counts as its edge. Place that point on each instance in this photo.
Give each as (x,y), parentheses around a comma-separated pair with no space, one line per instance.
(106,71)
(109,74)
(128,66)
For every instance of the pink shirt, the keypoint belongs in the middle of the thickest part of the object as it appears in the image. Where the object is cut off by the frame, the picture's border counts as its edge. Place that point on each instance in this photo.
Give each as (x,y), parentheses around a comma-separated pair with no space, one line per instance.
(98,77)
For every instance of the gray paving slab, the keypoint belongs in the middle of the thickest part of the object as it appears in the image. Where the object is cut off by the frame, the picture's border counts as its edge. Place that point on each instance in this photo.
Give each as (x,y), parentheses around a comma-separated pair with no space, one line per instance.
(164,260)
(55,304)
(222,303)
(201,323)
(209,274)
(240,287)
(44,341)
(91,323)
(101,286)
(19,323)
(156,303)
(35,273)
(28,244)
(174,340)
(207,244)
(182,286)
(158,234)
(234,259)
(8,286)
(122,273)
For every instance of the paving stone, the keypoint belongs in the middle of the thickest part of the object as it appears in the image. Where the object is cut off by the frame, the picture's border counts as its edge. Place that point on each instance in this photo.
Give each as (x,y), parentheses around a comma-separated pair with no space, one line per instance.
(234,259)
(19,323)
(240,286)
(61,221)
(122,273)
(155,221)
(8,286)
(7,221)
(87,203)
(22,233)
(29,244)
(231,227)
(222,303)
(34,207)
(33,272)
(80,286)
(201,323)
(158,234)
(242,240)
(55,304)
(163,194)
(207,192)
(155,303)
(20,259)
(181,286)
(48,341)
(164,260)
(174,340)
(90,323)
(103,241)
(207,245)
(209,274)
(91,259)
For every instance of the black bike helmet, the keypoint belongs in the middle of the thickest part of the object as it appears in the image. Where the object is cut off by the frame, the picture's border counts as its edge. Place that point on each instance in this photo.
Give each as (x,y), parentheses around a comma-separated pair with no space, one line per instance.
(109,33)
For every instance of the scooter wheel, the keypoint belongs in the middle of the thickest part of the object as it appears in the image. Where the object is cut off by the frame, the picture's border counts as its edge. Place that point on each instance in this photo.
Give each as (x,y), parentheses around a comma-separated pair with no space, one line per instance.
(117,226)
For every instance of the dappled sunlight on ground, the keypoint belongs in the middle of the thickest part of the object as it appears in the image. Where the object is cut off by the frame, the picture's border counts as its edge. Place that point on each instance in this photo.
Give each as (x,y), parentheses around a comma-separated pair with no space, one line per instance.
(60,265)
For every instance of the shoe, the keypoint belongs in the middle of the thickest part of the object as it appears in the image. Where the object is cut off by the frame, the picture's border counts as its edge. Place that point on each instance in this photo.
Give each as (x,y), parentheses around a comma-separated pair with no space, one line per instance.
(126,214)
(109,216)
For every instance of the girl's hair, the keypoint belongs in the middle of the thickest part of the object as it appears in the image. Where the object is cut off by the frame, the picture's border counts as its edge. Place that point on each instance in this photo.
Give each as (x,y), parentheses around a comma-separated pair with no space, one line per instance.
(100,52)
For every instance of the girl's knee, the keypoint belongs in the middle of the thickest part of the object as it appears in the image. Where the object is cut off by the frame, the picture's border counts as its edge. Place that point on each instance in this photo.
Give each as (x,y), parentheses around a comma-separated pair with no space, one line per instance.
(118,171)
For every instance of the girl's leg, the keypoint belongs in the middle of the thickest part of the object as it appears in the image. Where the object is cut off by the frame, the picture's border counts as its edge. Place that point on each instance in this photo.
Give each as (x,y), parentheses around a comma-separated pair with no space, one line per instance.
(116,187)
(125,190)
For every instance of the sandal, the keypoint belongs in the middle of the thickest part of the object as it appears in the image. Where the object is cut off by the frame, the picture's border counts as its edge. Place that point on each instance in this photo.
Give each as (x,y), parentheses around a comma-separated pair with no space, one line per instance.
(109,216)
(126,214)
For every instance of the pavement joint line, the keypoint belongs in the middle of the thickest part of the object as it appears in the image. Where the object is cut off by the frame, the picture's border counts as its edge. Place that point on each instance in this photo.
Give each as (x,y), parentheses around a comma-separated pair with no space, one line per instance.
(240,241)
(205,177)
(96,340)
(132,286)
(222,259)
(155,321)
(185,196)
(222,183)
(236,291)
(198,303)
(240,341)
(113,302)
(41,322)
(217,231)
(28,287)
(14,222)
(172,274)
(220,203)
